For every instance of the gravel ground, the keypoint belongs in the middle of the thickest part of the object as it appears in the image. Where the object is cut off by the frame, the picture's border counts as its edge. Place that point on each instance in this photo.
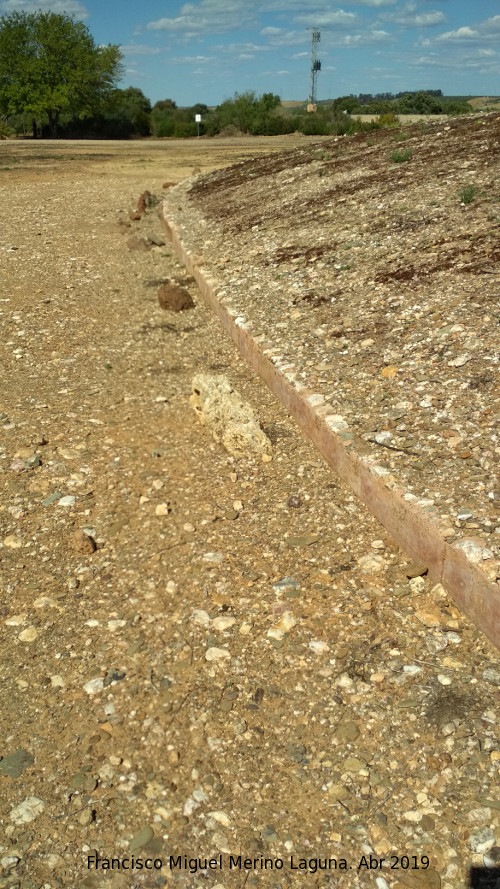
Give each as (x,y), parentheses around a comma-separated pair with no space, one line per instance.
(382,297)
(202,656)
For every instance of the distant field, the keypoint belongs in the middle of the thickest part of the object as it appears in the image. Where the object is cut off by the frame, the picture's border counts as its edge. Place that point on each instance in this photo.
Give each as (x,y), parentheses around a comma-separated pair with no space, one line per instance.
(478,103)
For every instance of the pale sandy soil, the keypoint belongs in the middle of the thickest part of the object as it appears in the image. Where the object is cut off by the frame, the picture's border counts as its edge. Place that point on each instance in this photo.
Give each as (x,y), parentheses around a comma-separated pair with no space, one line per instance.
(170,692)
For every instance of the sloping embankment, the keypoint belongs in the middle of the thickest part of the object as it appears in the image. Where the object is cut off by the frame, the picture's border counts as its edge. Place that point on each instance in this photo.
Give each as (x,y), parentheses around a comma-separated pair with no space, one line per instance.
(364,290)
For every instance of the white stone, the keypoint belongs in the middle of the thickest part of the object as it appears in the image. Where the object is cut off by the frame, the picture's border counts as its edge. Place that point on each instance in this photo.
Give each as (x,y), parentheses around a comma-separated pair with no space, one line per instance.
(44,602)
(318,647)
(461,360)
(27,811)
(413,815)
(13,541)
(336,422)
(217,654)
(345,681)
(116,625)
(9,861)
(162,509)
(417,585)
(93,686)
(443,680)
(28,635)
(201,618)
(16,620)
(54,860)
(221,818)
(371,563)
(57,681)
(224,622)
(213,557)
(474,551)
(481,840)
(231,420)
(69,500)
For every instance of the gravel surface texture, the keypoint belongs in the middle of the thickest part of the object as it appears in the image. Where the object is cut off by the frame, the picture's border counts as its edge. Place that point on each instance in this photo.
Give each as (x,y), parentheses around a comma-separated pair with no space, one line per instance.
(203,656)
(377,281)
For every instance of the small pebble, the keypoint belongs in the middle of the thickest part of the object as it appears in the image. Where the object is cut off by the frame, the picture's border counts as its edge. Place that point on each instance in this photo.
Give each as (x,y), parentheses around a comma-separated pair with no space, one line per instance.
(481,840)
(217,654)
(28,635)
(163,509)
(68,500)
(93,686)
(27,811)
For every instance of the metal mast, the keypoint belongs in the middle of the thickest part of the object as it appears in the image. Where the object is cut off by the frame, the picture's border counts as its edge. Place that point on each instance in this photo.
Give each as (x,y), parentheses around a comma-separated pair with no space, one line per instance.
(315,63)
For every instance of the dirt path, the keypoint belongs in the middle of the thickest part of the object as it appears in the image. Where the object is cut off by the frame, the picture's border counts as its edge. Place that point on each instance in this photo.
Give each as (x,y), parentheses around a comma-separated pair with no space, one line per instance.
(230,672)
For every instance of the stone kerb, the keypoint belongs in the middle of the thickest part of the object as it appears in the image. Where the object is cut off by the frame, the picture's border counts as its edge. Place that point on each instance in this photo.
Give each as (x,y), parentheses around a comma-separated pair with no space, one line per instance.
(419,535)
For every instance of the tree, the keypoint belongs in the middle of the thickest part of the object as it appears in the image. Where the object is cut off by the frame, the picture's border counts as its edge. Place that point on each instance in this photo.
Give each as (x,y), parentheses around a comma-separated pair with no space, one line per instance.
(133,106)
(50,66)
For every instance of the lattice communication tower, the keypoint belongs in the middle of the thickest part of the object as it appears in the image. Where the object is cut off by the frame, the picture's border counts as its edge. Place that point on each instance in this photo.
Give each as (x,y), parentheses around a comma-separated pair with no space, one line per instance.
(315,64)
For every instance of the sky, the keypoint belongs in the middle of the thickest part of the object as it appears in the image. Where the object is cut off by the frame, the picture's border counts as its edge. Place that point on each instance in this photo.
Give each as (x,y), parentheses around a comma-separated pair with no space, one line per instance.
(207,50)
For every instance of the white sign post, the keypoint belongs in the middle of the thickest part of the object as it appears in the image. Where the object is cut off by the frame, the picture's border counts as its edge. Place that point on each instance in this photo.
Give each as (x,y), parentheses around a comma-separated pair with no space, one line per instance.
(197,118)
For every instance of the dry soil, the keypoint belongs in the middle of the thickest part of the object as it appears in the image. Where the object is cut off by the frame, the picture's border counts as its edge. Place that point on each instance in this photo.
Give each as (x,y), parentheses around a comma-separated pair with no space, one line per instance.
(201,656)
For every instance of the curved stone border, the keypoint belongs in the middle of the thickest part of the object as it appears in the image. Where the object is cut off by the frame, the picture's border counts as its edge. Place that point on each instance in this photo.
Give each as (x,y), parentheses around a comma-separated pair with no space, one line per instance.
(475,594)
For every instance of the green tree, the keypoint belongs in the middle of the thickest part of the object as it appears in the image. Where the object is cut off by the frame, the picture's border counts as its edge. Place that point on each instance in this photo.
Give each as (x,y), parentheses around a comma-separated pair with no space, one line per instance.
(50,66)
(133,106)
(420,102)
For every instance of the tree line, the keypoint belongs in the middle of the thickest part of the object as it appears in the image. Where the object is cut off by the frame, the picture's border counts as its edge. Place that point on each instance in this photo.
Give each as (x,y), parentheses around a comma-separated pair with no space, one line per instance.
(412,102)
(56,82)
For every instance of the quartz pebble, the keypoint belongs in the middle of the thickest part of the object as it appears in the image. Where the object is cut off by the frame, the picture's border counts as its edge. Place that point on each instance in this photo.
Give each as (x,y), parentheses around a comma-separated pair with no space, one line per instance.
(27,811)
(481,840)
(217,654)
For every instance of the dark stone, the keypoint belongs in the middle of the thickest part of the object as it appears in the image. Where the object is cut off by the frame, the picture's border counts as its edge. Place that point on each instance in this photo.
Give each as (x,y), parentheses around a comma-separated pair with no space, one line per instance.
(173,298)
(15,763)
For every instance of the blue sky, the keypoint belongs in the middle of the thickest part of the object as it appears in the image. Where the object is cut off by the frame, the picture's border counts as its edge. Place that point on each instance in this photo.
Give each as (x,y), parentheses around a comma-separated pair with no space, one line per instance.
(206,50)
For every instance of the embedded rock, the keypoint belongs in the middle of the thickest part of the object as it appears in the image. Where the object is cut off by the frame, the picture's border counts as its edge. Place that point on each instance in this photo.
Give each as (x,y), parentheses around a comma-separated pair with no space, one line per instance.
(231,420)
(173,298)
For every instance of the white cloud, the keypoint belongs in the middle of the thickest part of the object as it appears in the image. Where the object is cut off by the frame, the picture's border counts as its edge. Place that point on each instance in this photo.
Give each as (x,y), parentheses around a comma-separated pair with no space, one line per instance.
(139,49)
(484,32)
(271,32)
(359,38)
(463,60)
(366,38)
(238,48)
(192,59)
(316,6)
(464,33)
(337,18)
(409,17)
(213,16)
(280,37)
(70,7)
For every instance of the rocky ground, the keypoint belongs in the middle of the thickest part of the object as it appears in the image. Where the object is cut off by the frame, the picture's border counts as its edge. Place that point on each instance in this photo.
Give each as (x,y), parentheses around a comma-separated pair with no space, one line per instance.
(383,296)
(202,656)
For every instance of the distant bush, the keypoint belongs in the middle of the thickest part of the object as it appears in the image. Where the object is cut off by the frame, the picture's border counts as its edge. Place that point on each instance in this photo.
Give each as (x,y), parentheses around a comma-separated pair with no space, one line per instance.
(5,130)
(467,194)
(387,121)
(124,113)
(399,156)
(179,123)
